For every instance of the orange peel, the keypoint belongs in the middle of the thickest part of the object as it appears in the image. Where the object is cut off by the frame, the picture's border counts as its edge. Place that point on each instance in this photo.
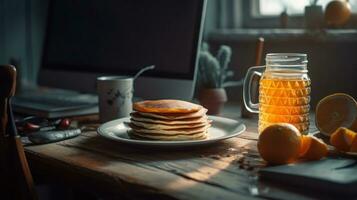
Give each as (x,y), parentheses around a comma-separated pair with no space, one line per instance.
(354,145)
(305,144)
(312,148)
(342,139)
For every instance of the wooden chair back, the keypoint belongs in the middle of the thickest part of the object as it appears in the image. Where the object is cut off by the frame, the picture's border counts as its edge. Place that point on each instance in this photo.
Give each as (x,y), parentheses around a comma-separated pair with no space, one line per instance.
(15,177)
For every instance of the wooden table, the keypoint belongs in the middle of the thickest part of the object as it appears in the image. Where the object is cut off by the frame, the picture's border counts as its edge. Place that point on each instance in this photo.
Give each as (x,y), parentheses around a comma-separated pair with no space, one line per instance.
(225,170)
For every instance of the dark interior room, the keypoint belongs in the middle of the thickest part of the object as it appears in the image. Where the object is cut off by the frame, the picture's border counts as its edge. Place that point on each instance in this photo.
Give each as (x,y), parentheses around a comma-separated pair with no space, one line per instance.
(178,99)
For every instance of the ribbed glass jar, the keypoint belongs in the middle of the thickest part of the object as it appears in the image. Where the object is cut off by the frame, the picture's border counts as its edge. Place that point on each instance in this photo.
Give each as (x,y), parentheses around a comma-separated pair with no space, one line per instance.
(284,91)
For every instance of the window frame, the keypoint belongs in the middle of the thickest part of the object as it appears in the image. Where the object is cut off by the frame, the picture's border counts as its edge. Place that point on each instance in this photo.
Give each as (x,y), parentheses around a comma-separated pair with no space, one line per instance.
(252,19)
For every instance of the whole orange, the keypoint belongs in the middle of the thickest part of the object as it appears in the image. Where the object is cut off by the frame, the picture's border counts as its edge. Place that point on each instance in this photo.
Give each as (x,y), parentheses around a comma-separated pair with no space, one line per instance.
(279,143)
(337,12)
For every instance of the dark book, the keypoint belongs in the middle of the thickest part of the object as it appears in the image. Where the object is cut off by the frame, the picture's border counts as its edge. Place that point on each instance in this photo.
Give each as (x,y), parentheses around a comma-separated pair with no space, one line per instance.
(336,175)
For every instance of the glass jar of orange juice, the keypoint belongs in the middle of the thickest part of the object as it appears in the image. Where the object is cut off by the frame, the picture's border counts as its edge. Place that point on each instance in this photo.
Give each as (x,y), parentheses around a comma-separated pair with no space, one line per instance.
(284,91)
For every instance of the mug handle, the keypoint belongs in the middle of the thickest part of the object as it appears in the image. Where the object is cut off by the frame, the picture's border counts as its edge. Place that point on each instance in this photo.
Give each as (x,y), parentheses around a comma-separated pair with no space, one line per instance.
(253,71)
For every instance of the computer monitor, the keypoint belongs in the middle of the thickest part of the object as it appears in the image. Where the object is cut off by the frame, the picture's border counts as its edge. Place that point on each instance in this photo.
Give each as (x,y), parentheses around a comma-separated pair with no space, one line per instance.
(90,38)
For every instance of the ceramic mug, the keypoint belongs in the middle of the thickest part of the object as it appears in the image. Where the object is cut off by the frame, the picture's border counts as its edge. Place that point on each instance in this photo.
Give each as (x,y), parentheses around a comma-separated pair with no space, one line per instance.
(115,95)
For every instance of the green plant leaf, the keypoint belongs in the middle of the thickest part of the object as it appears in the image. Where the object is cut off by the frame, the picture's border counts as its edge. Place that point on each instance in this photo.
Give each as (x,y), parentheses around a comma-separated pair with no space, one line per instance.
(224,56)
(204,46)
(213,71)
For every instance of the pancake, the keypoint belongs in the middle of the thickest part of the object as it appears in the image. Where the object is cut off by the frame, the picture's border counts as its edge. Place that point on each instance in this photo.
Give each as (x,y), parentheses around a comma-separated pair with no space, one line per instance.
(168,120)
(156,126)
(138,117)
(166,106)
(197,136)
(178,131)
(176,116)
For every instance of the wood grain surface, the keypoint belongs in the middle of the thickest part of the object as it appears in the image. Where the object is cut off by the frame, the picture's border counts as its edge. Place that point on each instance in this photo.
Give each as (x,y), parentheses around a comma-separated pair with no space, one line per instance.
(224,170)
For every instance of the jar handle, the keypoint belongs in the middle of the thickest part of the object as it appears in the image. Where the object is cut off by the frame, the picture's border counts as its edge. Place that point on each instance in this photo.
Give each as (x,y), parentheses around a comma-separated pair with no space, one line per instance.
(253,71)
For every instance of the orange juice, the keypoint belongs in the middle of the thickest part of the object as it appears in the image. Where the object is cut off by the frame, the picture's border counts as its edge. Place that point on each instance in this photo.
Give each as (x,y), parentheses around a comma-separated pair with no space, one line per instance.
(284,91)
(284,100)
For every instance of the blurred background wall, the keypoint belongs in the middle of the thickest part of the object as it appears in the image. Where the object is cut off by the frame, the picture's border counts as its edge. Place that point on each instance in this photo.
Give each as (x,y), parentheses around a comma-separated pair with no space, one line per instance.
(22,28)
(332,53)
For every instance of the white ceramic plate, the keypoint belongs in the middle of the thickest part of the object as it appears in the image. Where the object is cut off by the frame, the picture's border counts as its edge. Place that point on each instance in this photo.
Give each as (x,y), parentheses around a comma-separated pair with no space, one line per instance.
(221,129)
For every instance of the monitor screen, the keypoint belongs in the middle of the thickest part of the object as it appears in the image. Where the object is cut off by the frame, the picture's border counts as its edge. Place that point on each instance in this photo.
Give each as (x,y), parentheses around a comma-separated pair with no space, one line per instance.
(122,36)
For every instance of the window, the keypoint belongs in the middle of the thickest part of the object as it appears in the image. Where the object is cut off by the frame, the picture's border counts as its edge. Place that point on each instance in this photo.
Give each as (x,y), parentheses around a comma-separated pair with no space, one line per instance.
(275,7)
(265,13)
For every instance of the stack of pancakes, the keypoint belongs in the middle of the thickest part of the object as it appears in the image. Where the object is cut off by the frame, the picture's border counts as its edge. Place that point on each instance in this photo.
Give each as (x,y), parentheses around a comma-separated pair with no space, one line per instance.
(168,120)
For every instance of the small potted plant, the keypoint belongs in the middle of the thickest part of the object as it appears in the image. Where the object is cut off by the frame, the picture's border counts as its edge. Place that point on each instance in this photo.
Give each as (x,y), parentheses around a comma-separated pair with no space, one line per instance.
(212,78)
